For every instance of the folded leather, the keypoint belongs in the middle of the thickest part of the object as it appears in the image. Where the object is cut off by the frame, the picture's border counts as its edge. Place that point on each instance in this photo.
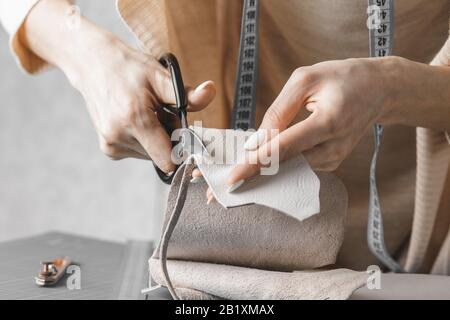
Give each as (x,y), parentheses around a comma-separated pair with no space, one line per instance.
(256,236)
(207,281)
(251,236)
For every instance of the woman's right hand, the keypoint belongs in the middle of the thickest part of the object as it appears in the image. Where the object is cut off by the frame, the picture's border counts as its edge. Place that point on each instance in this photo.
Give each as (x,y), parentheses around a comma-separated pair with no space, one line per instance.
(124,90)
(123,87)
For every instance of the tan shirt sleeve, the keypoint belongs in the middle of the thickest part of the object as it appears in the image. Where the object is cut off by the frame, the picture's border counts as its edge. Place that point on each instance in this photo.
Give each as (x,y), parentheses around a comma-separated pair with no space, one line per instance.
(12,16)
(443,59)
(447,54)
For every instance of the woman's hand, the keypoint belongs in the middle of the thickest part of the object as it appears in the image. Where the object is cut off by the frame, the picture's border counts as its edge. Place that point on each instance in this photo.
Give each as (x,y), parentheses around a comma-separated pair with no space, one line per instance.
(123,88)
(345,99)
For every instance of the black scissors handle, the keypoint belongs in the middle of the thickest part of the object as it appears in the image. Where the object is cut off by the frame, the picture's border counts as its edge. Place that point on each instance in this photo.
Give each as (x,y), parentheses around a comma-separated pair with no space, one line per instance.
(170,62)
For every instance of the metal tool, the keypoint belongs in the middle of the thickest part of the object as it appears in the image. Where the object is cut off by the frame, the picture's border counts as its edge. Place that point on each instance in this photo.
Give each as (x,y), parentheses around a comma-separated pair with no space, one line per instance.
(52,271)
(189,142)
(244,111)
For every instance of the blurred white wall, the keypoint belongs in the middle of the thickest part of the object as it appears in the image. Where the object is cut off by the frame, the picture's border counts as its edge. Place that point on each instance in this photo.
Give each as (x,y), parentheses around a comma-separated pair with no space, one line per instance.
(52,174)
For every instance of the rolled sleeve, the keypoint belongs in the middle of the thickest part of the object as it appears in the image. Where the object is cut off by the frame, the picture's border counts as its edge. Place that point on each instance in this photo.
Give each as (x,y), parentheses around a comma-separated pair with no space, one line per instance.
(12,16)
(443,59)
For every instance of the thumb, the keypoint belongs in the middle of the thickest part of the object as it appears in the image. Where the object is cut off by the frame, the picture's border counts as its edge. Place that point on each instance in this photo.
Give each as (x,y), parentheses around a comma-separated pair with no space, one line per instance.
(277,118)
(282,111)
(201,97)
(198,98)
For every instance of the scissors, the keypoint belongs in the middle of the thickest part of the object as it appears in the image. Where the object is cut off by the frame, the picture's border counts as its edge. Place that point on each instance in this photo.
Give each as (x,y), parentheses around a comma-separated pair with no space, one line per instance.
(189,142)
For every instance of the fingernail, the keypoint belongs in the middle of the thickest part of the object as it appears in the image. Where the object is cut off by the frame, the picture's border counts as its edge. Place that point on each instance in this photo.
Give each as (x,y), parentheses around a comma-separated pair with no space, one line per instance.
(197,180)
(255,140)
(170,173)
(235,186)
(201,87)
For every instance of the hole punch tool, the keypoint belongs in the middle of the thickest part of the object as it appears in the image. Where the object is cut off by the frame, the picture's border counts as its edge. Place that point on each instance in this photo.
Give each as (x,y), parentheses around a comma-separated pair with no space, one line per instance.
(189,142)
(52,271)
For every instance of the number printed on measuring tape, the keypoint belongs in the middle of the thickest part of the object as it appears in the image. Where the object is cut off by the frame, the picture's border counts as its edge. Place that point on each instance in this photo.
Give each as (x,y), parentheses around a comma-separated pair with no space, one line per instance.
(381,34)
(383,30)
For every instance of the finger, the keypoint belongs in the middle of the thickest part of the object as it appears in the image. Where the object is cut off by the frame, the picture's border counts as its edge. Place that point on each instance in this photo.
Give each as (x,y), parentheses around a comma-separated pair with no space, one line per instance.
(198,98)
(196,173)
(242,172)
(319,157)
(253,162)
(327,167)
(161,84)
(138,155)
(289,143)
(201,97)
(156,142)
(118,151)
(329,155)
(209,196)
(291,99)
(281,113)
(136,147)
(197,176)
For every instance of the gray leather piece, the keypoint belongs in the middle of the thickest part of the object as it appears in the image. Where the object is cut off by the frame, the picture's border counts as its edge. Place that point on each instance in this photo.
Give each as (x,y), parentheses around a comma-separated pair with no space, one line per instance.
(255,236)
(227,282)
(292,188)
(272,226)
(394,287)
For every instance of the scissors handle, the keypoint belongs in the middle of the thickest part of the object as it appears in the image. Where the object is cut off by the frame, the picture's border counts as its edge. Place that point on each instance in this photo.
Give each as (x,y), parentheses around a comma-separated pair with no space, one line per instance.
(170,62)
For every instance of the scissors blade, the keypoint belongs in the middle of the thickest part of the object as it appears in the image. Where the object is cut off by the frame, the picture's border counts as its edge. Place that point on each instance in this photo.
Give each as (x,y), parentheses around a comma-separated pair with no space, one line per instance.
(192,144)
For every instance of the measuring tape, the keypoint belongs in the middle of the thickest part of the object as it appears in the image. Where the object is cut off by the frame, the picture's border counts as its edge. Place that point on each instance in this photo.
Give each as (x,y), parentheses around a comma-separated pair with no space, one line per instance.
(244,111)
(381,45)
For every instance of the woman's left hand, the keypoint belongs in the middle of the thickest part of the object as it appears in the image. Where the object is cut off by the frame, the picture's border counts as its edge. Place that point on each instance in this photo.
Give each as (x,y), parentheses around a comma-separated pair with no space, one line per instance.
(345,99)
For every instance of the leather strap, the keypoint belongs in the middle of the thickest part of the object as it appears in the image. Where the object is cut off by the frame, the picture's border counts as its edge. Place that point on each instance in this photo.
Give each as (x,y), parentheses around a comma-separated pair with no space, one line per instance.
(171,224)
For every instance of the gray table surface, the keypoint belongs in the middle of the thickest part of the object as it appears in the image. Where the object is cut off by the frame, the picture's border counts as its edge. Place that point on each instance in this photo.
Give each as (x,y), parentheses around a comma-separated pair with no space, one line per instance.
(108,270)
(120,271)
